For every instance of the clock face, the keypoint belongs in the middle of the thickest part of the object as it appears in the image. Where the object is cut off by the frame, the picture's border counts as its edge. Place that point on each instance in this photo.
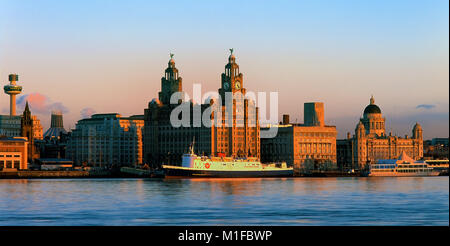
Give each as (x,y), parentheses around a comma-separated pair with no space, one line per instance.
(237,85)
(226,86)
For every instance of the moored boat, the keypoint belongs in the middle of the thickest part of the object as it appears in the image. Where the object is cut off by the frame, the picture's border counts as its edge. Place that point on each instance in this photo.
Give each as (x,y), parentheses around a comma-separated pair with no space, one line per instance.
(404,166)
(225,167)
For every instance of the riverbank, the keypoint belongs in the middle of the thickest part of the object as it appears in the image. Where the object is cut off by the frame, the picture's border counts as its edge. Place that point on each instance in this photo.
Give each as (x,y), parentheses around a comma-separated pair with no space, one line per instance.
(328,174)
(129,172)
(44,174)
(124,172)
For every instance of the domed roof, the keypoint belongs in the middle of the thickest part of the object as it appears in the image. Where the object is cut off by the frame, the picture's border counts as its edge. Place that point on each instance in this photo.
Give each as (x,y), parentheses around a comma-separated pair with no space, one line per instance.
(372,108)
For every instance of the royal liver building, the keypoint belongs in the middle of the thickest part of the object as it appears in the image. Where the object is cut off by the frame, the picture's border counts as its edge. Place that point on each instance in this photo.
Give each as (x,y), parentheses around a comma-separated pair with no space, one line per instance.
(233,128)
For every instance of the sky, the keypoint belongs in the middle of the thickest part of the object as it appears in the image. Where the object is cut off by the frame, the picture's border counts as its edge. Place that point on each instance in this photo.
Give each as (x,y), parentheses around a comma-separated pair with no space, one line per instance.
(85,57)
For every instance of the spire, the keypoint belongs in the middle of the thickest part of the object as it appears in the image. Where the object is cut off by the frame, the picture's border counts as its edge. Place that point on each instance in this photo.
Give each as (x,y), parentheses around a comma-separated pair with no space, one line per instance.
(27,109)
(372,100)
(26,113)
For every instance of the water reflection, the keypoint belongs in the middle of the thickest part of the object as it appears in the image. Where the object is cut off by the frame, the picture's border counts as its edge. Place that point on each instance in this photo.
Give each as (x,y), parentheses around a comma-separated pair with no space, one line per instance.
(286,201)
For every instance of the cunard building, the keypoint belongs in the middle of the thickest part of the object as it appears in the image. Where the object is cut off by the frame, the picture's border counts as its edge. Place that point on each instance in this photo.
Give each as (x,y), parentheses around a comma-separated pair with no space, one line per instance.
(370,142)
(230,129)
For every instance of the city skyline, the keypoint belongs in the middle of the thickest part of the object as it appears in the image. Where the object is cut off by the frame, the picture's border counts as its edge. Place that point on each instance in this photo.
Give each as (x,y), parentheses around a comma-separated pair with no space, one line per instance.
(114,63)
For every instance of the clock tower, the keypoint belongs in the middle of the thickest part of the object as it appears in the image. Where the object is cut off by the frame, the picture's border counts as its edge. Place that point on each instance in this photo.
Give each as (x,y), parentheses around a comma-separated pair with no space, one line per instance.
(232,79)
(238,135)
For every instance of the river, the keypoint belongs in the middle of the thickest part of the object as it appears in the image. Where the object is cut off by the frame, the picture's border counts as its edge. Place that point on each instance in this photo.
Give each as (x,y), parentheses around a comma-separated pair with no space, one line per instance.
(272,201)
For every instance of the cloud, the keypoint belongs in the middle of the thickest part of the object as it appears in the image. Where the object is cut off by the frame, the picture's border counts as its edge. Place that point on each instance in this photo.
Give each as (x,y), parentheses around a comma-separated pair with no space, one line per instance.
(426,106)
(87,112)
(40,104)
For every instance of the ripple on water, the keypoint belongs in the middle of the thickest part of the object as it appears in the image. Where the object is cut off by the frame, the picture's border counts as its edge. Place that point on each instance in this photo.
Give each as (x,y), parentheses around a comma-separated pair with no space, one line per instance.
(295,201)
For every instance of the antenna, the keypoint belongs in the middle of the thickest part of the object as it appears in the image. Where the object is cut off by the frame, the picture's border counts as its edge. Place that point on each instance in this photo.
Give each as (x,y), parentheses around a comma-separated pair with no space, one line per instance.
(192,146)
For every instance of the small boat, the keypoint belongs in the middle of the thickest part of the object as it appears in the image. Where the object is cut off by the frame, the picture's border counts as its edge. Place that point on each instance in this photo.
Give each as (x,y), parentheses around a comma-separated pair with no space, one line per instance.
(404,166)
(194,166)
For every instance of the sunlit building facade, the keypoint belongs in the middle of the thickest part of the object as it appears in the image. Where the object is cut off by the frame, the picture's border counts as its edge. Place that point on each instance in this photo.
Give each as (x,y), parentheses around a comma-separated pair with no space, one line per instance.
(107,140)
(370,142)
(13,153)
(232,130)
(307,146)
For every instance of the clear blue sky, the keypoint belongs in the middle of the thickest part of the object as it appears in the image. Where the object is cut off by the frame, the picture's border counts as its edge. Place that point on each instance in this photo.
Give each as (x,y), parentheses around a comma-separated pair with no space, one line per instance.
(109,56)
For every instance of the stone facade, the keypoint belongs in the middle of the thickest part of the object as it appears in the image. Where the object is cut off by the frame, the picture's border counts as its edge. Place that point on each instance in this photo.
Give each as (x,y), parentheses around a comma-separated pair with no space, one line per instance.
(13,153)
(31,129)
(107,140)
(303,146)
(370,142)
(165,143)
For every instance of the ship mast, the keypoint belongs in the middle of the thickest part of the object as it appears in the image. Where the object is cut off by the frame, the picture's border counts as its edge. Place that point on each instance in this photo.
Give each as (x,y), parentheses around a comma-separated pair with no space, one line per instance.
(191,149)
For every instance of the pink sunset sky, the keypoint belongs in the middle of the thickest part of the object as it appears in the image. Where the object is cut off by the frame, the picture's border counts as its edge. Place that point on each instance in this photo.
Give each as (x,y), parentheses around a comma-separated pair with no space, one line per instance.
(102,56)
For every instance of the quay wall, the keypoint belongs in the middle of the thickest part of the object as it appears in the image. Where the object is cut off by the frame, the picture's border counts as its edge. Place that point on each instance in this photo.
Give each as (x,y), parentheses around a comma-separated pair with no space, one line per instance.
(44,174)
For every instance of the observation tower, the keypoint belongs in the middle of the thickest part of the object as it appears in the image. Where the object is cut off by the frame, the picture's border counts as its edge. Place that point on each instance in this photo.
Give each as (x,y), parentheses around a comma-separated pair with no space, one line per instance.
(12,90)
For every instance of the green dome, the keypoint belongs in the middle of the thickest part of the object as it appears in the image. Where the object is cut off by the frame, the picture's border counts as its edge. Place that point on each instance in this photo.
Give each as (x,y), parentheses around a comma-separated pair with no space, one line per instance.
(372,109)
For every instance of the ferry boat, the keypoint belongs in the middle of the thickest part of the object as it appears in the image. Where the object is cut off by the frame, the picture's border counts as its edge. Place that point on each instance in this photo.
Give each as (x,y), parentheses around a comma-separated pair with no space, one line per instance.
(403,166)
(194,166)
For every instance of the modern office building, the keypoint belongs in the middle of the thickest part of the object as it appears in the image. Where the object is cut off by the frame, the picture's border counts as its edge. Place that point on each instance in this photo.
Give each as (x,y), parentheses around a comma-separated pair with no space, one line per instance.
(232,129)
(370,142)
(307,146)
(10,126)
(106,140)
(436,148)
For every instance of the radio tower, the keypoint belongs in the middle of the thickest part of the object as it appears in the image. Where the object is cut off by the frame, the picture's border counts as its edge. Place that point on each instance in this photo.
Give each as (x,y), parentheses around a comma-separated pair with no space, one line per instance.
(12,90)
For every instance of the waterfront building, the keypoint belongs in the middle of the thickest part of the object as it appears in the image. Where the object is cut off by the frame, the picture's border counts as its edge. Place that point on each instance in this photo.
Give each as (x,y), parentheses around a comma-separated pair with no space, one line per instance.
(31,129)
(10,126)
(239,137)
(436,148)
(307,146)
(38,130)
(370,142)
(106,140)
(13,153)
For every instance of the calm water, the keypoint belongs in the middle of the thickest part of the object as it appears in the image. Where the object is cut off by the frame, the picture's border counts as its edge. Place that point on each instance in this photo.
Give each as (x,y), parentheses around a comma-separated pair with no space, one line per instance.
(292,201)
